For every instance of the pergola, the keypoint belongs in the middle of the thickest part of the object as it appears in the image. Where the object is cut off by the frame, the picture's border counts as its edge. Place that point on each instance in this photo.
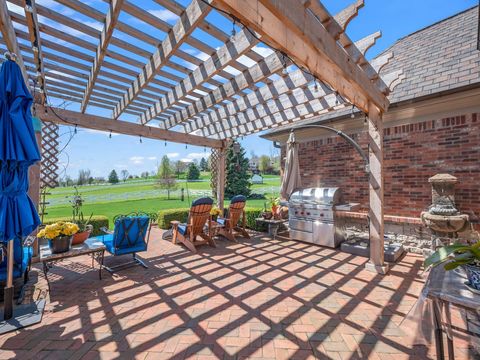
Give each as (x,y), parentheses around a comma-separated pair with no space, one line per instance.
(314,68)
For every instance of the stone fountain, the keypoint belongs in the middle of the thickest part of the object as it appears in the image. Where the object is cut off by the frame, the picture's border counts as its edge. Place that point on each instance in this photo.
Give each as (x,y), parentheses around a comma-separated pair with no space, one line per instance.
(442,217)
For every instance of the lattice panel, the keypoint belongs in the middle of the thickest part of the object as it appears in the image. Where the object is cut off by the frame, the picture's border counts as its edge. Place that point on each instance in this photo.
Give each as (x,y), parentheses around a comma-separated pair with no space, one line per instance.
(49,165)
(214,157)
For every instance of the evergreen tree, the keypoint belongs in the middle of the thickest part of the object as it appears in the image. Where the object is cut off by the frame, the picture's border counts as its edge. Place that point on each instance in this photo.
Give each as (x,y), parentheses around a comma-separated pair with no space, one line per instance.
(237,180)
(113,177)
(193,173)
(203,164)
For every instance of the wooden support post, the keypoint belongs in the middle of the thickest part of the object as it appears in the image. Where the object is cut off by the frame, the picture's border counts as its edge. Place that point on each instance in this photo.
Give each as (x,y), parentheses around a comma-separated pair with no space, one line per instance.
(221,178)
(34,176)
(376,188)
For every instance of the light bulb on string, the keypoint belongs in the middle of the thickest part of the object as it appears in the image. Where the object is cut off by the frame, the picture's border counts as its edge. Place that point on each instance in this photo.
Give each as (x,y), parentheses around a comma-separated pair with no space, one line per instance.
(234,31)
(110,135)
(284,63)
(141,141)
(165,143)
(204,149)
(352,115)
(186,146)
(315,87)
(75,130)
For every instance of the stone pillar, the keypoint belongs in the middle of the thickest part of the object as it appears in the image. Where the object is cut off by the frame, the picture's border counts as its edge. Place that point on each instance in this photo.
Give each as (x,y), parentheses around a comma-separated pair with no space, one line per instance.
(376,189)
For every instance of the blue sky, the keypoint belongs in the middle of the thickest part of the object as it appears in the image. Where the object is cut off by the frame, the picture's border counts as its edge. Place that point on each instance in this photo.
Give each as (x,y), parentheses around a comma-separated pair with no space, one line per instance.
(100,153)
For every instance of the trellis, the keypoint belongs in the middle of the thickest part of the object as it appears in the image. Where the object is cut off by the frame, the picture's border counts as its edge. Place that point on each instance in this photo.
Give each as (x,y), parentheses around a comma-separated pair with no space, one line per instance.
(209,102)
(49,148)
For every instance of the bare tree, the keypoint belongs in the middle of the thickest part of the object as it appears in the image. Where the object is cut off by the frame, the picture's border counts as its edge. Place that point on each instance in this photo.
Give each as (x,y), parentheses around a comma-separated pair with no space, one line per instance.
(83,176)
(166,178)
(124,174)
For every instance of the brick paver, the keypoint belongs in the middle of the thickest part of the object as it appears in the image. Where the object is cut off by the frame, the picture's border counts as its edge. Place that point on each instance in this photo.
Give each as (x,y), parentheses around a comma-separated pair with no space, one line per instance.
(259,299)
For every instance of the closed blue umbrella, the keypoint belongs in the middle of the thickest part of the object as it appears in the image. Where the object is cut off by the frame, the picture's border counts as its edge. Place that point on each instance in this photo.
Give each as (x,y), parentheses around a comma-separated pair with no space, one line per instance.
(18,150)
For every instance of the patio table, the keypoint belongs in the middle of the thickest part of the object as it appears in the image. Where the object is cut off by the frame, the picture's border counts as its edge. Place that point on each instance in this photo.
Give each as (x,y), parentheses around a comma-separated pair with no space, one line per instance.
(446,288)
(273,225)
(93,247)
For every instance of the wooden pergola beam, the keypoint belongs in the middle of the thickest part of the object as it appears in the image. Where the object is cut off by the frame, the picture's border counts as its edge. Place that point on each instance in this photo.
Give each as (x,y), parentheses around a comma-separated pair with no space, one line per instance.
(105,37)
(196,11)
(224,56)
(294,29)
(88,121)
(255,73)
(31,17)
(8,34)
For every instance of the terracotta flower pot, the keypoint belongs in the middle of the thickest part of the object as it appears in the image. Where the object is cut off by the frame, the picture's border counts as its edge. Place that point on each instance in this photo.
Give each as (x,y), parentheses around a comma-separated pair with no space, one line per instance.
(60,244)
(267,215)
(80,237)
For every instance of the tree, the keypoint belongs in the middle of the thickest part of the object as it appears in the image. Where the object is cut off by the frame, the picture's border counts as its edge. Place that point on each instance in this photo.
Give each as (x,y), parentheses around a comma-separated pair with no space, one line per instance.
(237,180)
(193,173)
(166,178)
(83,176)
(113,177)
(203,164)
(264,164)
(180,167)
(124,174)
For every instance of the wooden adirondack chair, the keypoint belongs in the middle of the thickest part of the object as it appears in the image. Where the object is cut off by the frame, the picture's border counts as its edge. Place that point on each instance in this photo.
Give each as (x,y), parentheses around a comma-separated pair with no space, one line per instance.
(198,217)
(235,216)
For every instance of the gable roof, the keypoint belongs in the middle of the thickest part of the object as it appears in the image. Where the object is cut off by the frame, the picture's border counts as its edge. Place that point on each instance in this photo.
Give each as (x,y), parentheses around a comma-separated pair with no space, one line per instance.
(442,57)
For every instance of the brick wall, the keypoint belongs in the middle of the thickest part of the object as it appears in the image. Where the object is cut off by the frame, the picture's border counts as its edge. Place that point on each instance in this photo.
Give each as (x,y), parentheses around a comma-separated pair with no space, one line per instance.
(413,153)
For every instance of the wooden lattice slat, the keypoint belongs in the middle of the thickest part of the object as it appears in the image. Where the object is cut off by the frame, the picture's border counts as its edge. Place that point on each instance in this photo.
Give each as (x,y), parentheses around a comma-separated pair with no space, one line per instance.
(214,157)
(49,165)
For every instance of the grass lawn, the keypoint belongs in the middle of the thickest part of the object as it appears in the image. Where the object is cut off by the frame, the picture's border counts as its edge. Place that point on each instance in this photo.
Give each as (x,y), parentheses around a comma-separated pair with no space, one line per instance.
(111,208)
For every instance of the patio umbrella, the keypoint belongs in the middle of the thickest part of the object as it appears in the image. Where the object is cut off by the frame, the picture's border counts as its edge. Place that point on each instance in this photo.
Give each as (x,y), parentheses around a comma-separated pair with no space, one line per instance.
(291,177)
(18,150)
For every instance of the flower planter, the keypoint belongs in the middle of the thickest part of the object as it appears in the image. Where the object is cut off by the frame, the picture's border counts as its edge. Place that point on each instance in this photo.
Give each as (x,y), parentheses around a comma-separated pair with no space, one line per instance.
(473,275)
(60,244)
(267,215)
(79,238)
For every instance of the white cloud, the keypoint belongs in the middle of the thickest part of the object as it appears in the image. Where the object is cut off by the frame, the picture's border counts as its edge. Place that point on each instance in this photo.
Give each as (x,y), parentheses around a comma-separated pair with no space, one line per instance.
(100,132)
(152,158)
(193,156)
(137,160)
(165,15)
(173,155)
(186,160)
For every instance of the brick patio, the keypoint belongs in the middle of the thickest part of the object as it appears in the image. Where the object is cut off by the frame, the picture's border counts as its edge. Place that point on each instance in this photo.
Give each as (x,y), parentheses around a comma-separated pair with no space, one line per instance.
(262,298)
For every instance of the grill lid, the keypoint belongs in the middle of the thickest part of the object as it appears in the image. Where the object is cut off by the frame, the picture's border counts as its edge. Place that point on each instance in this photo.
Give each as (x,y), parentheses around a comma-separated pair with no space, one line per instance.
(317,196)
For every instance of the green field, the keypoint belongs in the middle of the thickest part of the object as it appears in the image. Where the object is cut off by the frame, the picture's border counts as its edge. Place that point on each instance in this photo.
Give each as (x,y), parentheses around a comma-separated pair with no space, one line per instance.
(107,199)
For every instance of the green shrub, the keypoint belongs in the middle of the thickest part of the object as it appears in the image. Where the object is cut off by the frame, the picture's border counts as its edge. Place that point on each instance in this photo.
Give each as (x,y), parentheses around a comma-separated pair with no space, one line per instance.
(252,214)
(97,222)
(165,216)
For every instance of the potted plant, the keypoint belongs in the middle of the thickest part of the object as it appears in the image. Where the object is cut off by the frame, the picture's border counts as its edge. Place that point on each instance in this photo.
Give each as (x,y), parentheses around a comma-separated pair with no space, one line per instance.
(59,236)
(266,214)
(274,202)
(464,255)
(215,212)
(85,229)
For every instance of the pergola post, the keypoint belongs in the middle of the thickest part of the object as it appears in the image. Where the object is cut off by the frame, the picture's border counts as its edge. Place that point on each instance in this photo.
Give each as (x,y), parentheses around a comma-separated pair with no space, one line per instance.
(221,177)
(376,189)
(34,176)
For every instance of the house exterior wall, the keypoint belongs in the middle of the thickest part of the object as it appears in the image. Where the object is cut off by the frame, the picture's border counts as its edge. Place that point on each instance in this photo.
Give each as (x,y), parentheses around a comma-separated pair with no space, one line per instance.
(413,153)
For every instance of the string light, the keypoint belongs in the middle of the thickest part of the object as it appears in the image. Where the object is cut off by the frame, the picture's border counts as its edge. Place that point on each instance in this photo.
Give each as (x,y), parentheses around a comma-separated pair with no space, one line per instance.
(75,130)
(204,149)
(284,63)
(110,136)
(316,86)
(234,31)
(141,141)
(165,143)
(186,146)
(352,115)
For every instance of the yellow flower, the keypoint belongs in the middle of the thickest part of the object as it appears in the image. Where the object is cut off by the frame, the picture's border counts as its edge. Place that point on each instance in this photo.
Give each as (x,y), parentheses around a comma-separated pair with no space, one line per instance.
(60,228)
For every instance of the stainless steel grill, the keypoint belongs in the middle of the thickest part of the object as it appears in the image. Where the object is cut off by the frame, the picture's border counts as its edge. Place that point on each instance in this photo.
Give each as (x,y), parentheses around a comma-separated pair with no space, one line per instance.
(311,216)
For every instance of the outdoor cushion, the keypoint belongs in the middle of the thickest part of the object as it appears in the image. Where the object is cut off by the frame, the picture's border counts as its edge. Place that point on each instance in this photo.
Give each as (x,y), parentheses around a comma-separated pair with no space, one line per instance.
(182,229)
(109,244)
(237,199)
(203,201)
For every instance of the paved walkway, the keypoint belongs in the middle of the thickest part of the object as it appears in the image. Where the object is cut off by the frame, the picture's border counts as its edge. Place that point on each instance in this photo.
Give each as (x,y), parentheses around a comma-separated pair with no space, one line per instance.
(255,299)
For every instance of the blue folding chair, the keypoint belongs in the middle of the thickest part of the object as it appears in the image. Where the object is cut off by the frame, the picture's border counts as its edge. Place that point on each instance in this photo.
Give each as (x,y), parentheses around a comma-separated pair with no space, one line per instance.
(130,236)
(22,256)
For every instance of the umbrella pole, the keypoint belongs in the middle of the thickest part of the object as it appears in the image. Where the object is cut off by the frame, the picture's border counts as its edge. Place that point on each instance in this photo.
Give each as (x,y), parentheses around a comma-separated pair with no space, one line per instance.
(8,290)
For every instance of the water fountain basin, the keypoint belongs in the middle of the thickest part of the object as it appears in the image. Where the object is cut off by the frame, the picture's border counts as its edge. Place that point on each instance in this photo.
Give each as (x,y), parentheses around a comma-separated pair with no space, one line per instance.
(445,224)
